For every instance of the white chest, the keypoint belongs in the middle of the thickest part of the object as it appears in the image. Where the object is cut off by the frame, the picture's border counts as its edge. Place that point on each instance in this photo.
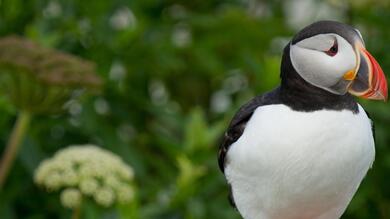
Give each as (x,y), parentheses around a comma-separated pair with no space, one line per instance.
(290,164)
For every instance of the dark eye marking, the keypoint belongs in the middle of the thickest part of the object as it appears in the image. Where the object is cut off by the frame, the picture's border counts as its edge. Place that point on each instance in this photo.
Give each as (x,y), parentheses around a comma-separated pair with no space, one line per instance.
(333,50)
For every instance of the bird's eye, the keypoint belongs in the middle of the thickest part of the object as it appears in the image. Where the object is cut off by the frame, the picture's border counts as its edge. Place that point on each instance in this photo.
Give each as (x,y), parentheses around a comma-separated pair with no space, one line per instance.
(333,50)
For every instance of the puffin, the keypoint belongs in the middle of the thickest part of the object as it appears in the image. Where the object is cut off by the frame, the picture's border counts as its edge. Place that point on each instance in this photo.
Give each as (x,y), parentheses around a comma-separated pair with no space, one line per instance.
(301,150)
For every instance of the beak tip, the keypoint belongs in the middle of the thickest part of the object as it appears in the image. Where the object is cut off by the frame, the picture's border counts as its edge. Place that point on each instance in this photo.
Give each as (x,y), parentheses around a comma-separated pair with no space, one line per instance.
(383,96)
(372,78)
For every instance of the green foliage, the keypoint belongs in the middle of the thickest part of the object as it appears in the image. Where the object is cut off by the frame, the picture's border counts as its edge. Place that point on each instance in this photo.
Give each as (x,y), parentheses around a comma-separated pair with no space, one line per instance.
(175,72)
(39,80)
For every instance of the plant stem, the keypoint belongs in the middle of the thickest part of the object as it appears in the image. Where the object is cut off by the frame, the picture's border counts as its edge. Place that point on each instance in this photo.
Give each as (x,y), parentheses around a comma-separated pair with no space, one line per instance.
(12,148)
(76,213)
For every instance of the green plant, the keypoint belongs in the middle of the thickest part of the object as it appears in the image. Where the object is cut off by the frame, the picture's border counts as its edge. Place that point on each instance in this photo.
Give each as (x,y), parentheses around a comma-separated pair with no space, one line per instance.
(86,171)
(37,80)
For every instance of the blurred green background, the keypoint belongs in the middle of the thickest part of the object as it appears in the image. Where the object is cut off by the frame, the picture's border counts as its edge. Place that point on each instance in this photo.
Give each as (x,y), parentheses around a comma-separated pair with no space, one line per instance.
(175,72)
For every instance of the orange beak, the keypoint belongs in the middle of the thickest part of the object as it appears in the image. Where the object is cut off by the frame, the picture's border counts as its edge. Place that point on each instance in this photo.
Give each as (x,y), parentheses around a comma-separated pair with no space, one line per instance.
(370,81)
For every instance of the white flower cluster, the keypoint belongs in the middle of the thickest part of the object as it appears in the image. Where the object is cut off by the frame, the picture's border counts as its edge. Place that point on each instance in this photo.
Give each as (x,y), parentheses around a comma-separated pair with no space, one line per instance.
(86,170)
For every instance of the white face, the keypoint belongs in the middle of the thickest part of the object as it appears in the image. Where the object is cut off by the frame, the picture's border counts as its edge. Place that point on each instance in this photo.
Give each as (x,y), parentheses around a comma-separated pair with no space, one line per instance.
(323,60)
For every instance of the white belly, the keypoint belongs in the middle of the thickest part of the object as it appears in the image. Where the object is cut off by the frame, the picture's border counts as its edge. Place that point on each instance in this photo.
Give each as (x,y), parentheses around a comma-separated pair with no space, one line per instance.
(299,165)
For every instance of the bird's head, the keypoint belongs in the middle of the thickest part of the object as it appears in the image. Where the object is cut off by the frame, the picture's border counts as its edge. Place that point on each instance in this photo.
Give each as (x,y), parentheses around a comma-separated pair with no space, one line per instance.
(332,56)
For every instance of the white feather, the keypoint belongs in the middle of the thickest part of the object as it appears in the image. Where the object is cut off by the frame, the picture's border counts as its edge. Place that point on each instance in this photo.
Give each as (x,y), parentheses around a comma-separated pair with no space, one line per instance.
(299,165)
(312,63)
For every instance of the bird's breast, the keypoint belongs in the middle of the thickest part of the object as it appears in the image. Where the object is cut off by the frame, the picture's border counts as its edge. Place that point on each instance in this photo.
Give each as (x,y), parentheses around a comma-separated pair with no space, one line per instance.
(287,161)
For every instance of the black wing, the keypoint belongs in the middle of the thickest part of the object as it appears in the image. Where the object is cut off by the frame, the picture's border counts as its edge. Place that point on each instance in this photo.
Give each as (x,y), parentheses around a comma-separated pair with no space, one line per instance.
(237,126)
(238,123)
(235,129)
(372,126)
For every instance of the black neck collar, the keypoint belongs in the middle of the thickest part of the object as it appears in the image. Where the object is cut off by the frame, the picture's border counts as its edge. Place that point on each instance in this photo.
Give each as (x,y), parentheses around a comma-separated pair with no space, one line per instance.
(302,96)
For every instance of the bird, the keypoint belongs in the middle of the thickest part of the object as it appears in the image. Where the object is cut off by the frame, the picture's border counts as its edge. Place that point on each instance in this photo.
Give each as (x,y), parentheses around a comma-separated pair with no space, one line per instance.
(301,150)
